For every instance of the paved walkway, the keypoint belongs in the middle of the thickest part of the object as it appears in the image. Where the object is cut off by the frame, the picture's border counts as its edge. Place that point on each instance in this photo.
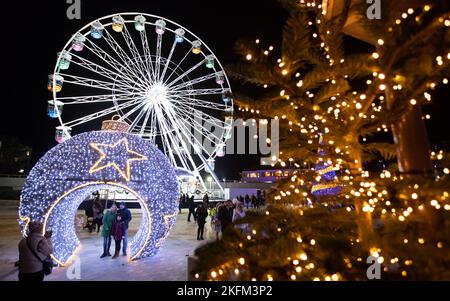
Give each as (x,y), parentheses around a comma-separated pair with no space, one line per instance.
(169,264)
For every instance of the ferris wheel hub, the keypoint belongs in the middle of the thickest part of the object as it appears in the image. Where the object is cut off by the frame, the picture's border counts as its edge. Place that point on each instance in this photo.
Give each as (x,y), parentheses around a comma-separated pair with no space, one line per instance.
(157,94)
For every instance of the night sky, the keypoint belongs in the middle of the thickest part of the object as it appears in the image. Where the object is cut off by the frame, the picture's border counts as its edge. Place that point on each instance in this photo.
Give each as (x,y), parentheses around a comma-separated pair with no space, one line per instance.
(34,31)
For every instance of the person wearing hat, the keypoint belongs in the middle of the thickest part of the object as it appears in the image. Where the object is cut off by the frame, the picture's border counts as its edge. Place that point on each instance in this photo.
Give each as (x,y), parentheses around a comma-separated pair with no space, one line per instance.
(108,219)
(126,218)
(34,245)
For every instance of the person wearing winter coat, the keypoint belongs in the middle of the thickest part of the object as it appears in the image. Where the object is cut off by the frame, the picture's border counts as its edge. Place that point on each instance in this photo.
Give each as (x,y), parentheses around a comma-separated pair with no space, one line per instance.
(201,214)
(108,219)
(225,214)
(125,213)
(118,233)
(206,201)
(247,201)
(97,210)
(191,206)
(238,212)
(30,267)
(215,220)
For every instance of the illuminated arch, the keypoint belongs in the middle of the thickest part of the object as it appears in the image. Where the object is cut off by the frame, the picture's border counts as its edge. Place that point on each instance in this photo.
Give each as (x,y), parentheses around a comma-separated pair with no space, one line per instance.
(64,176)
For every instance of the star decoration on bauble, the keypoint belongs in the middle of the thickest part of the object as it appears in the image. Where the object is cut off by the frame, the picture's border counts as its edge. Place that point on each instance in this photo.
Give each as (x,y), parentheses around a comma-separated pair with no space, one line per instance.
(117,155)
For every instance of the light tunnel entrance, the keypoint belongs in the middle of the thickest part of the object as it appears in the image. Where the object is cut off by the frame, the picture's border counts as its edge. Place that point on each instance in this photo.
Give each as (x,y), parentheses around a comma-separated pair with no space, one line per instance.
(65,208)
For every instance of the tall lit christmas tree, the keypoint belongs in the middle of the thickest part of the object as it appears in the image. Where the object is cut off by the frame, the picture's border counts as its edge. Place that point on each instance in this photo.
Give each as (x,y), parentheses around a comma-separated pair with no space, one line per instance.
(335,100)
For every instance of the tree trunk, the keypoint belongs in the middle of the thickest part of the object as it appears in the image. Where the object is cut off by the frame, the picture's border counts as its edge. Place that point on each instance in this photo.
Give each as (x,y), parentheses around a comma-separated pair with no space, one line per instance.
(411,140)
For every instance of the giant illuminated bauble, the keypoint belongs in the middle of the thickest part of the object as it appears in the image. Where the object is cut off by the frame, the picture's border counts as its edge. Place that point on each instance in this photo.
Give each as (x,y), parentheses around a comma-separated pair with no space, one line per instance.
(88,162)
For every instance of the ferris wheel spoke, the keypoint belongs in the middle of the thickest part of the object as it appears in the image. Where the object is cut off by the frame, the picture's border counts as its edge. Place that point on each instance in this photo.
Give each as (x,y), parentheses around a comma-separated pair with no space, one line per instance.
(147,56)
(144,123)
(207,134)
(124,57)
(153,129)
(199,103)
(200,143)
(169,59)
(185,73)
(176,67)
(158,56)
(95,83)
(100,70)
(193,82)
(176,140)
(184,107)
(181,125)
(167,137)
(69,100)
(99,114)
(111,61)
(131,45)
(132,111)
(198,92)
(130,42)
(138,117)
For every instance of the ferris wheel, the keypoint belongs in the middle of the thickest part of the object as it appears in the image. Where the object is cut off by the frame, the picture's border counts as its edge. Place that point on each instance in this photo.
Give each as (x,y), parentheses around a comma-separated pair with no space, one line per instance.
(159,77)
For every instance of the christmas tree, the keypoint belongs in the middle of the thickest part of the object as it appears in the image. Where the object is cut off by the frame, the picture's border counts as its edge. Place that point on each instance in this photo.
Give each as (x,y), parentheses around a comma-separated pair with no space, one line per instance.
(345,103)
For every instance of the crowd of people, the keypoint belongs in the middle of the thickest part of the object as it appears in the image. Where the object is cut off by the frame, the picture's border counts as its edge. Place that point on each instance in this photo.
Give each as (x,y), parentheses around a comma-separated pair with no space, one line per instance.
(35,249)
(222,215)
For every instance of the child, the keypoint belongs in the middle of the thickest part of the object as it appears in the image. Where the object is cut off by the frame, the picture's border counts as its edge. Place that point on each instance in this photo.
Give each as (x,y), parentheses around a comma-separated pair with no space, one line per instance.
(118,233)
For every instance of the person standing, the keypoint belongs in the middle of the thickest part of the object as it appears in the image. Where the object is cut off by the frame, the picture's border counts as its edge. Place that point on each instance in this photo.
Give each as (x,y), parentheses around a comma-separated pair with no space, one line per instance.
(180,203)
(108,219)
(201,214)
(259,198)
(191,206)
(33,250)
(239,213)
(206,201)
(215,220)
(89,215)
(118,233)
(97,210)
(125,213)
(254,201)
(224,215)
(247,201)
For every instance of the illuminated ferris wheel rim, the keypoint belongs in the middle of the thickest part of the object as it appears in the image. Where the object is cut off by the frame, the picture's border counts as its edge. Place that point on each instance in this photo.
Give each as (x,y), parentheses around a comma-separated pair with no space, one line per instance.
(151,20)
